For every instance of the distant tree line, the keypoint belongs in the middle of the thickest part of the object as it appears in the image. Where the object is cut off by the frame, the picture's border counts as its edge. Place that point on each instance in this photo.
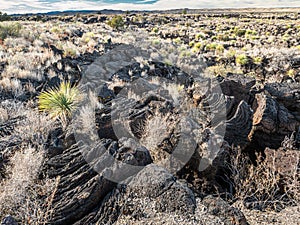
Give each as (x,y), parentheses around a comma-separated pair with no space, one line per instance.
(4,16)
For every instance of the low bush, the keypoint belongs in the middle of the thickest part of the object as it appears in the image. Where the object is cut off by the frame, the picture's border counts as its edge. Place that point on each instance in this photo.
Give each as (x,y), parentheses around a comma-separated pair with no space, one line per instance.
(241,59)
(268,185)
(9,29)
(116,22)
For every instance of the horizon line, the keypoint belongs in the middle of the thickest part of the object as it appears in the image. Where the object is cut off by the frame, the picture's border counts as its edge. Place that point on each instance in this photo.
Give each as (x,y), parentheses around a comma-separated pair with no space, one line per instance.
(151,10)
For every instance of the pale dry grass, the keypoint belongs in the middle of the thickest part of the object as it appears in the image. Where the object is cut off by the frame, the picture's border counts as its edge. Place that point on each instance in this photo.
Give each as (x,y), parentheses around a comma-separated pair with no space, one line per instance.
(155,130)
(175,91)
(264,186)
(11,85)
(20,192)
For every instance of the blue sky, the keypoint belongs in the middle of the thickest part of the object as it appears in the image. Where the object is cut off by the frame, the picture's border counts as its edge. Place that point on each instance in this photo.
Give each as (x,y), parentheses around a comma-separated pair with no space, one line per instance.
(27,6)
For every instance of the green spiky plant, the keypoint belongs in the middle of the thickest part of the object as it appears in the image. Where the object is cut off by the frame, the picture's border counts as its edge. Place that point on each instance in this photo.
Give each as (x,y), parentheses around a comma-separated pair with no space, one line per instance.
(60,102)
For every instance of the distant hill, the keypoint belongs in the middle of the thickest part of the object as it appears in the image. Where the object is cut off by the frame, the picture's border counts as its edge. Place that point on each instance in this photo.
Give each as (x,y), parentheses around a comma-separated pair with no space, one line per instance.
(171,11)
(72,12)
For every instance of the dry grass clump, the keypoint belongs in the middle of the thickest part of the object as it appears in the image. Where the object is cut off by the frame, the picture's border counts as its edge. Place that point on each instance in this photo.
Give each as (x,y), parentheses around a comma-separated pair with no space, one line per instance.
(3,115)
(155,130)
(11,85)
(220,70)
(31,127)
(272,184)
(21,194)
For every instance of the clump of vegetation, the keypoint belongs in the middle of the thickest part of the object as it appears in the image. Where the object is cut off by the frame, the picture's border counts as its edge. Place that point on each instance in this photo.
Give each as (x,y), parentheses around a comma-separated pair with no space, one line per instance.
(251,32)
(177,41)
(291,73)
(4,17)
(262,186)
(191,43)
(230,53)
(223,37)
(241,59)
(156,42)
(55,30)
(200,36)
(116,22)
(184,11)
(9,29)
(257,60)
(69,52)
(298,47)
(198,45)
(211,46)
(60,102)
(220,48)
(221,70)
(239,32)
(155,30)
(20,190)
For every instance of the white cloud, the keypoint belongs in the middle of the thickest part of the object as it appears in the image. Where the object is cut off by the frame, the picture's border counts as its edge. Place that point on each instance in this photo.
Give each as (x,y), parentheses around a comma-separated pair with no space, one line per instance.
(27,6)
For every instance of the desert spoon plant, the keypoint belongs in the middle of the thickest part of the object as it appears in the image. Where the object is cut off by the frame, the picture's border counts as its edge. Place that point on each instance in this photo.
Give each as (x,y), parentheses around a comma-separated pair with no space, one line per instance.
(60,102)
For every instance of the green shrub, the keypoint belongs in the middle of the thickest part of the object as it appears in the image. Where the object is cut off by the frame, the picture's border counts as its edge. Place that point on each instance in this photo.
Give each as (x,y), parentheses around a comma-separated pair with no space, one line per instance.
(241,59)
(60,102)
(220,48)
(199,36)
(257,60)
(239,32)
(198,45)
(291,73)
(56,30)
(255,37)
(211,46)
(214,38)
(251,32)
(191,43)
(298,47)
(223,37)
(155,30)
(4,17)
(116,22)
(9,29)
(156,42)
(184,54)
(177,41)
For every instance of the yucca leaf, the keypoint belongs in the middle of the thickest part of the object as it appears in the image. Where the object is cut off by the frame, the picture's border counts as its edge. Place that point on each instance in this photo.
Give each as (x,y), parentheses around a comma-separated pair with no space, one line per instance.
(60,101)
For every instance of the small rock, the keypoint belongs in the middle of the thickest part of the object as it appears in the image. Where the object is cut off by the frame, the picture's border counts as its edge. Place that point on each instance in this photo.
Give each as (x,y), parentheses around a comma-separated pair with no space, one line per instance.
(9,220)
